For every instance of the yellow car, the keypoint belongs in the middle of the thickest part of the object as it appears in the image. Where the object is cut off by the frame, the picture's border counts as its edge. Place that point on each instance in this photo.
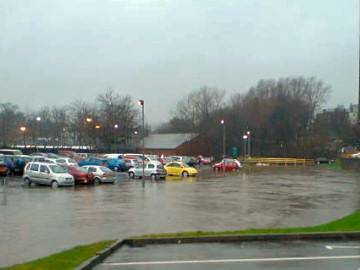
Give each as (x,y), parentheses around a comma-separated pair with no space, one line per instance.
(180,169)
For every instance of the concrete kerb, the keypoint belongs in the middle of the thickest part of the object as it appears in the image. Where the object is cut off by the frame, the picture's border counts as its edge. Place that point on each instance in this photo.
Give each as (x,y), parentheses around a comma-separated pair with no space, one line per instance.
(139,242)
(102,255)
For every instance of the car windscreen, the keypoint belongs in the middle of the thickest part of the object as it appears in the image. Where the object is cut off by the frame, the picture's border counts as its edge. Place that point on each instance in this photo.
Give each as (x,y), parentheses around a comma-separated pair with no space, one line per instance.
(81,169)
(57,169)
(104,169)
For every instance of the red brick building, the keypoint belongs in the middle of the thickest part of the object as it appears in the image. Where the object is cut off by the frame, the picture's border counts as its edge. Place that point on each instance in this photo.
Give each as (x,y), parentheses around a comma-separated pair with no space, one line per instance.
(177,144)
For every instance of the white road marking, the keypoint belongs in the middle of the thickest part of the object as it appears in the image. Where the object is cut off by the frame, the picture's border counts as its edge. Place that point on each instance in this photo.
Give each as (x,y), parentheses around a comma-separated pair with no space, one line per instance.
(342,247)
(234,260)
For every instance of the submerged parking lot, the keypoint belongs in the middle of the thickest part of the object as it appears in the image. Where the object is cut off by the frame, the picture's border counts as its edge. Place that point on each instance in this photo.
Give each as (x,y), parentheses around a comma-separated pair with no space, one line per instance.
(38,221)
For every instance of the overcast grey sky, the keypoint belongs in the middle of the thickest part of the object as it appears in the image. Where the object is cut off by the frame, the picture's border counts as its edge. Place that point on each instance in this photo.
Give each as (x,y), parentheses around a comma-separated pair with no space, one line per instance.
(55,51)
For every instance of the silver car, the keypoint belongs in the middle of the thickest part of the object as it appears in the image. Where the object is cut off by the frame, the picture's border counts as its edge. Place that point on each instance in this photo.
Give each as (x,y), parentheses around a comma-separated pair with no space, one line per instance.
(101,174)
(47,174)
(153,169)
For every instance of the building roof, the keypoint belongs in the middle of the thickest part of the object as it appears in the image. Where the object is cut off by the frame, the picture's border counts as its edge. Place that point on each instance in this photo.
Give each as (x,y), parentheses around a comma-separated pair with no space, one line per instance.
(167,140)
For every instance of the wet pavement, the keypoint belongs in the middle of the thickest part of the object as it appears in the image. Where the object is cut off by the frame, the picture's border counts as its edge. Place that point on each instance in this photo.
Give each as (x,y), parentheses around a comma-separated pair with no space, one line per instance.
(314,255)
(38,221)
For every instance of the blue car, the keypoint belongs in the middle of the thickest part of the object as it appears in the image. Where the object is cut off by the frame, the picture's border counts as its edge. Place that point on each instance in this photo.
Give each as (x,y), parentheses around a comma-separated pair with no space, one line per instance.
(94,161)
(117,164)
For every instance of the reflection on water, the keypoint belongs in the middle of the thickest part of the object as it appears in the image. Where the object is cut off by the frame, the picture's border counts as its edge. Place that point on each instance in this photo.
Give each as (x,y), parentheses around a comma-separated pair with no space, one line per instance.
(38,221)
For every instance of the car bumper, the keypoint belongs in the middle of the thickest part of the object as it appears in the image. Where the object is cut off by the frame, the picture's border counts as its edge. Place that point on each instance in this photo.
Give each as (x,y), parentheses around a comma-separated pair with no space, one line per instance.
(108,180)
(66,184)
(83,181)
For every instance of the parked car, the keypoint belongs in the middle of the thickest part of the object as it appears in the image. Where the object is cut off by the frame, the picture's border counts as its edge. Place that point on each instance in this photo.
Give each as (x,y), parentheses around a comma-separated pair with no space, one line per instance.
(81,175)
(10,152)
(20,161)
(47,174)
(356,155)
(94,161)
(231,165)
(66,161)
(205,160)
(180,169)
(101,174)
(117,164)
(322,160)
(130,163)
(153,169)
(3,167)
(10,162)
(137,156)
(113,155)
(191,161)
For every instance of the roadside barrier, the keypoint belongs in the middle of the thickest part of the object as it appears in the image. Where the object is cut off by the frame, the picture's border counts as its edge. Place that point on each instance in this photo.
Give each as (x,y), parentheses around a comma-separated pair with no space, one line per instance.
(262,161)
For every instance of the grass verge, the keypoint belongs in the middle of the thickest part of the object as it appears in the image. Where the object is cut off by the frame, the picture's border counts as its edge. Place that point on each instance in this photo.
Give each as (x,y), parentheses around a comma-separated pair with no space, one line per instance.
(346,224)
(68,259)
(335,165)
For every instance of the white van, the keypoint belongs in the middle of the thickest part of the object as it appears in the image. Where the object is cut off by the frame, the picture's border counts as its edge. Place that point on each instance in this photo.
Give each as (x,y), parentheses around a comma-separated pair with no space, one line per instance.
(47,174)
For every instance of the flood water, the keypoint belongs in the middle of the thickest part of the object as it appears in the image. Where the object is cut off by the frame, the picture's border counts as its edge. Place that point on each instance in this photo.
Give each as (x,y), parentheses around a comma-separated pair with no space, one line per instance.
(38,221)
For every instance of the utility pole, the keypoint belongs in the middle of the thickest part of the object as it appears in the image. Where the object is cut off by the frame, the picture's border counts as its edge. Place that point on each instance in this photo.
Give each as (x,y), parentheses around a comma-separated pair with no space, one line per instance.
(222,122)
(141,103)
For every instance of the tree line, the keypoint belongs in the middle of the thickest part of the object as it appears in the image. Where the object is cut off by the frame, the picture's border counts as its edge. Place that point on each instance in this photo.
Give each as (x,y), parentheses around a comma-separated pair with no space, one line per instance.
(105,124)
(284,118)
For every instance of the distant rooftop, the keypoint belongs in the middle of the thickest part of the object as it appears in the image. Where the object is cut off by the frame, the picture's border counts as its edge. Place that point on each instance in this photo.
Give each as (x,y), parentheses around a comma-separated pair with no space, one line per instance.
(167,140)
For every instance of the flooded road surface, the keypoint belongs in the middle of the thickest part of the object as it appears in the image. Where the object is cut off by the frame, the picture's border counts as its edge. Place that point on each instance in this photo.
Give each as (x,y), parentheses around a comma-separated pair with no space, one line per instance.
(38,221)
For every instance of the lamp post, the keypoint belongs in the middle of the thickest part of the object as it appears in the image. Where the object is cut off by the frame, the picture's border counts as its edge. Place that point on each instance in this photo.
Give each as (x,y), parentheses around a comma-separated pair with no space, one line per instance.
(141,103)
(23,130)
(38,120)
(222,122)
(97,128)
(249,142)
(245,137)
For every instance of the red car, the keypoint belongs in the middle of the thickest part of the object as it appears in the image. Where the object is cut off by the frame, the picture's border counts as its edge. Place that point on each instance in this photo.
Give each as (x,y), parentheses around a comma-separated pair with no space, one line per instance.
(231,165)
(3,169)
(81,175)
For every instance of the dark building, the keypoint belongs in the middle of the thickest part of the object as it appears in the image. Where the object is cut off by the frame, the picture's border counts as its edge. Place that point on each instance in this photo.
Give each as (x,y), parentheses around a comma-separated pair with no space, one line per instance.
(179,144)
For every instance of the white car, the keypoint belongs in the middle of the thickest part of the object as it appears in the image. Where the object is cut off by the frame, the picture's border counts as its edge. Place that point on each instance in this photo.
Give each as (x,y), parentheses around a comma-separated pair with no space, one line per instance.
(153,169)
(42,159)
(101,174)
(47,174)
(113,156)
(66,161)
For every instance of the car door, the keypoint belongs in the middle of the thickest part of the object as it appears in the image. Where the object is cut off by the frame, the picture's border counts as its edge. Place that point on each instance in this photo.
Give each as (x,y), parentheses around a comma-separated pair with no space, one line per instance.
(34,173)
(92,170)
(170,169)
(44,175)
(149,169)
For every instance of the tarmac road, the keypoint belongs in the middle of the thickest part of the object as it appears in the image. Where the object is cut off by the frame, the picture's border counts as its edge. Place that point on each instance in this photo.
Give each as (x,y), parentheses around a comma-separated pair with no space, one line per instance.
(38,221)
(314,255)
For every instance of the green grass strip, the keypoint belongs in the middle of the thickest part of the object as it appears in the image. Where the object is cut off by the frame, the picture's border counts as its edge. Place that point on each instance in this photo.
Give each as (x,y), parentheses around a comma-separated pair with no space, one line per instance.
(68,259)
(346,224)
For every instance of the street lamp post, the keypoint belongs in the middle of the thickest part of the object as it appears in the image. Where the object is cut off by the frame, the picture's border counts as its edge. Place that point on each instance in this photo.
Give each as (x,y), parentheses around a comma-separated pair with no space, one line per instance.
(245,137)
(38,120)
(141,103)
(23,130)
(97,139)
(249,143)
(222,122)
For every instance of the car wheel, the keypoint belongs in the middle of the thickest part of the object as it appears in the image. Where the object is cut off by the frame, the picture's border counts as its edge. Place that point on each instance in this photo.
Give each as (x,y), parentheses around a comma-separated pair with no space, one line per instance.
(132,175)
(97,180)
(27,181)
(185,174)
(54,184)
